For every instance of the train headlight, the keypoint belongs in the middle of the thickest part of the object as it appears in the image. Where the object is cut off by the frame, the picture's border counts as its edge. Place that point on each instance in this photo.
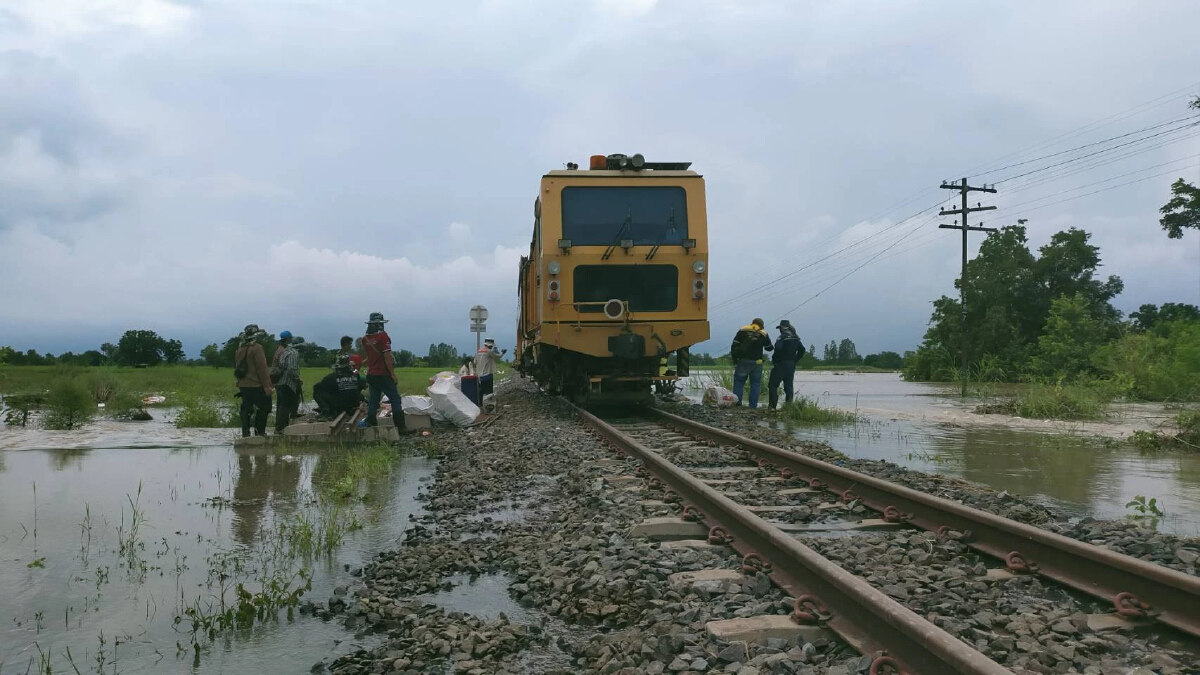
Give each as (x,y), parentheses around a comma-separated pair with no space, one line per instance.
(553,267)
(697,267)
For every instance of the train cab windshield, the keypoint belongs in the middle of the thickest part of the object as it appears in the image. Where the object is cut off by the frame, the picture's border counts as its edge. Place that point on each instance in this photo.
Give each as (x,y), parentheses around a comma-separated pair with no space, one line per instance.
(647,215)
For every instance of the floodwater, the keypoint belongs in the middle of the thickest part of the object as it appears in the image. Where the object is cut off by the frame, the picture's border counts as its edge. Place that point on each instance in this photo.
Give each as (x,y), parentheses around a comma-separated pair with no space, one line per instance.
(927,427)
(108,534)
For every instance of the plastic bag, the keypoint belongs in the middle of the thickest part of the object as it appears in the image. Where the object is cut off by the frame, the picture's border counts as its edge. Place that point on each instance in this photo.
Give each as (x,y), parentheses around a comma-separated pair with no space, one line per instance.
(450,404)
(448,376)
(416,405)
(719,397)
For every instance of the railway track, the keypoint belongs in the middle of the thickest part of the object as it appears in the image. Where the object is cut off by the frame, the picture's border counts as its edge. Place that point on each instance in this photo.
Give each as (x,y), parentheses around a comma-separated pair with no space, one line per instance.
(863,616)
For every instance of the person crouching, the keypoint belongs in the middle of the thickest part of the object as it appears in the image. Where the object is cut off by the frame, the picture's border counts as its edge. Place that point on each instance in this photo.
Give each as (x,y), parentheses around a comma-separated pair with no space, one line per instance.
(340,391)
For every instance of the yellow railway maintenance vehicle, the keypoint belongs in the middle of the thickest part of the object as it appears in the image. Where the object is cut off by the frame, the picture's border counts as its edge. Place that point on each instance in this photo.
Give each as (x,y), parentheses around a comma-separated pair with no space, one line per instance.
(616,279)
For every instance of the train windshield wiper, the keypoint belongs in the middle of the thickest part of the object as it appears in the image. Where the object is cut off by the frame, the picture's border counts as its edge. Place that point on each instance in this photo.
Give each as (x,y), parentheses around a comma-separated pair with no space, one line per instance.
(625,225)
(668,228)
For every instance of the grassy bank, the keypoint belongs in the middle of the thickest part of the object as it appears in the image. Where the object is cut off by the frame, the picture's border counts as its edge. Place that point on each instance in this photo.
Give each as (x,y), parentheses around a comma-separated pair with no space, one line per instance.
(1055,401)
(174,382)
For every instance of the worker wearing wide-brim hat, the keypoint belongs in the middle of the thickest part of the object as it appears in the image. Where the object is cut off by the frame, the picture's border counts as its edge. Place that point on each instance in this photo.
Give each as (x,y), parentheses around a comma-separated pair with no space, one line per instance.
(381,371)
(788,352)
(486,360)
(253,380)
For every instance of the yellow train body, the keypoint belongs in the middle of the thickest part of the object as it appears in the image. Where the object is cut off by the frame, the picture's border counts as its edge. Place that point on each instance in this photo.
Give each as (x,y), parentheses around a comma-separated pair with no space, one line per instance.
(616,278)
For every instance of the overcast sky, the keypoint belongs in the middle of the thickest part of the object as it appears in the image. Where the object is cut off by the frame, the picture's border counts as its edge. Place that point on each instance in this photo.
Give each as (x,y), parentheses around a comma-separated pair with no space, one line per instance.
(193,166)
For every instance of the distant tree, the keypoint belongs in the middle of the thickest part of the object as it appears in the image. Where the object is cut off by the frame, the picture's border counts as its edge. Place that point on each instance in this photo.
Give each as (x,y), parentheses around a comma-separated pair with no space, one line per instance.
(887,360)
(140,347)
(1151,318)
(91,357)
(312,355)
(442,355)
(404,359)
(831,353)
(212,356)
(6,354)
(172,351)
(1183,209)
(110,352)
(847,354)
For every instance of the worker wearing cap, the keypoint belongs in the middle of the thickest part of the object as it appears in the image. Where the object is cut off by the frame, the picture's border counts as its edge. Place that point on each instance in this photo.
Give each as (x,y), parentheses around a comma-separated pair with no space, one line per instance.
(747,352)
(788,352)
(485,365)
(285,374)
(381,372)
(340,391)
(253,381)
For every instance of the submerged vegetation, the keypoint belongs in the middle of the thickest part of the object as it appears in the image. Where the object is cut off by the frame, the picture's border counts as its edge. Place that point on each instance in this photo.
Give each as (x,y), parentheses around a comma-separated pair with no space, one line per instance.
(807,411)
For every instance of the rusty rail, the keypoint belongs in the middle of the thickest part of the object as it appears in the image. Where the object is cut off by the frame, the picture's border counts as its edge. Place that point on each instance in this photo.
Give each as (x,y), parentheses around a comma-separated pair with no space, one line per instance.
(1137,589)
(864,617)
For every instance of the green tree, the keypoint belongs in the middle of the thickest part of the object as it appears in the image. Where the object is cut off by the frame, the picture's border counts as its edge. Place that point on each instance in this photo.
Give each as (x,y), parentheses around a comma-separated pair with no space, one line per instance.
(1151,317)
(831,353)
(140,347)
(1073,334)
(847,353)
(110,352)
(1183,209)
(212,355)
(172,351)
(1009,296)
(6,354)
(889,360)
(404,358)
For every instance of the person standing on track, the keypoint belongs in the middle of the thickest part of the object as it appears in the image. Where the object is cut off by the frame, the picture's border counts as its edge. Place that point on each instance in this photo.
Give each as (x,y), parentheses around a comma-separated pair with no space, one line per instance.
(485,366)
(285,375)
(381,372)
(788,351)
(747,352)
(253,381)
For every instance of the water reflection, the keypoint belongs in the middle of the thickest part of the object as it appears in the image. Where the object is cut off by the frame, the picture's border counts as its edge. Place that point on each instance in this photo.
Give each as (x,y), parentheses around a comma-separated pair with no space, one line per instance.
(262,480)
(62,459)
(926,427)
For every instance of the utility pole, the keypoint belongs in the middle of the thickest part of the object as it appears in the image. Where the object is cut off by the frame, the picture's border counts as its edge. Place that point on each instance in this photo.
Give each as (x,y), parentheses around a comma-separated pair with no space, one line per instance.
(965,189)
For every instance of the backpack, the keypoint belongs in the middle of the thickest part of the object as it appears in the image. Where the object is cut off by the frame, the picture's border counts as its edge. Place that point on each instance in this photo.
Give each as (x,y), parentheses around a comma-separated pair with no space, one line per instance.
(240,368)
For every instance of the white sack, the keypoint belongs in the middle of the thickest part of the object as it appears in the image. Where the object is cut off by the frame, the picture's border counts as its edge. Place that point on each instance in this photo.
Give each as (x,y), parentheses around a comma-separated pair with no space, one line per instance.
(416,405)
(719,397)
(450,404)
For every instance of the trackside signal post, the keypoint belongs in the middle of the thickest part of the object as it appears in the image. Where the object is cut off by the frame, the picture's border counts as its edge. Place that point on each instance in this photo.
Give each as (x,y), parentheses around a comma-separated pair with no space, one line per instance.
(965,189)
(479,315)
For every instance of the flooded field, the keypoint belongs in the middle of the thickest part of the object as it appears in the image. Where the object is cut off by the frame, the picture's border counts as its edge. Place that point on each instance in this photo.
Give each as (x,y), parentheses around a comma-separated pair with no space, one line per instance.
(1071,465)
(124,545)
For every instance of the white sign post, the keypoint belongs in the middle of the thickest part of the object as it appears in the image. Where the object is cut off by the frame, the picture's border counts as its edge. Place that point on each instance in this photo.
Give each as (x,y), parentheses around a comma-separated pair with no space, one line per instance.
(479,315)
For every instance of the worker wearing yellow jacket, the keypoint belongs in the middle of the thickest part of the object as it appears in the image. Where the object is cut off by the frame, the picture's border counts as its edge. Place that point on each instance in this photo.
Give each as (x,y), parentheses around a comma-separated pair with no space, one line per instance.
(747,354)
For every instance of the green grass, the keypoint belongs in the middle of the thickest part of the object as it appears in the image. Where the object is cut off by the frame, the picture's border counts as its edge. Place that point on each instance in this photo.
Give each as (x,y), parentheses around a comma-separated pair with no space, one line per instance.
(807,411)
(338,475)
(1056,401)
(208,414)
(177,383)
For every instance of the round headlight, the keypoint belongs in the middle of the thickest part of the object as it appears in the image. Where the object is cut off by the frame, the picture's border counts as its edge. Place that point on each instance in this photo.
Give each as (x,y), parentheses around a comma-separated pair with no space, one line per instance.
(698,267)
(553,267)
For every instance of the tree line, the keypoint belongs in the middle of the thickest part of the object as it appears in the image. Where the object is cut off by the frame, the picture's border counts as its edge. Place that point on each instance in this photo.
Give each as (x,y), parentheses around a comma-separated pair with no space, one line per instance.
(835,353)
(145,348)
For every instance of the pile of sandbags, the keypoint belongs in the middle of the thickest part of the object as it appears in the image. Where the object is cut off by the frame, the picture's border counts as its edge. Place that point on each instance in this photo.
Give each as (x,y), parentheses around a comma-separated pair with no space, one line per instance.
(448,403)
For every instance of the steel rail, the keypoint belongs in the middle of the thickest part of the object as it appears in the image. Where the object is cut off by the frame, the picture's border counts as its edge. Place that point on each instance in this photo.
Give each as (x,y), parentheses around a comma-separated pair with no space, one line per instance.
(1137,589)
(863,616)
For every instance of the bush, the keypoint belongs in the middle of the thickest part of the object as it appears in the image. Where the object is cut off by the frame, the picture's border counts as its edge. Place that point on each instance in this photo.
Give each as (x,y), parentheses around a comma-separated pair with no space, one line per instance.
(1057,401)
(1153,367)
(206,414)
(807,411)
(69,405)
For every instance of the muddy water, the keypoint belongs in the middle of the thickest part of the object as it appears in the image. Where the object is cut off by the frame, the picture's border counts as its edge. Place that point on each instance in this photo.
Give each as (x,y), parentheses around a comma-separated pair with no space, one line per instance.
(68,500)
(1072,466)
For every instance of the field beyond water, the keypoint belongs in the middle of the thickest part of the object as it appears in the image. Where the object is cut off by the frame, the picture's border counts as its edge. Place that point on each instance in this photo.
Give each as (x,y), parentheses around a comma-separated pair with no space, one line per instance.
(173,382)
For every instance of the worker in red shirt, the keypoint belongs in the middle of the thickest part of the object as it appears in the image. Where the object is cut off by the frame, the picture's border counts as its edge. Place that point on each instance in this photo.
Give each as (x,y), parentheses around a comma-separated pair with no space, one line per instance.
(381,371)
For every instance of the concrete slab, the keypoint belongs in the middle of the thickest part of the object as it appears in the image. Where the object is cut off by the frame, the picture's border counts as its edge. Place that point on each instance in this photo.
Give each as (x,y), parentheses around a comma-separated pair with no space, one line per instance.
(312,428)
(797,491)
(758,629)
(710,579)
(417,421)
(1105,622)
(668,528)
(697,544)
(998,574)
(842,526)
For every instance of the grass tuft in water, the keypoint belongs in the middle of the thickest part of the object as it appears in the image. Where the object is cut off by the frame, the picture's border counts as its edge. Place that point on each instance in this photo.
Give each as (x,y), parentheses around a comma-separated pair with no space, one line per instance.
(1056,401)
(807,411)
(207,414)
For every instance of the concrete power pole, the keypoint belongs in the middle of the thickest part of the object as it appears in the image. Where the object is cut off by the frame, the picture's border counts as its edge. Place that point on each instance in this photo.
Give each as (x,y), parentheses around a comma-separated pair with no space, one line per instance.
(965,189)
